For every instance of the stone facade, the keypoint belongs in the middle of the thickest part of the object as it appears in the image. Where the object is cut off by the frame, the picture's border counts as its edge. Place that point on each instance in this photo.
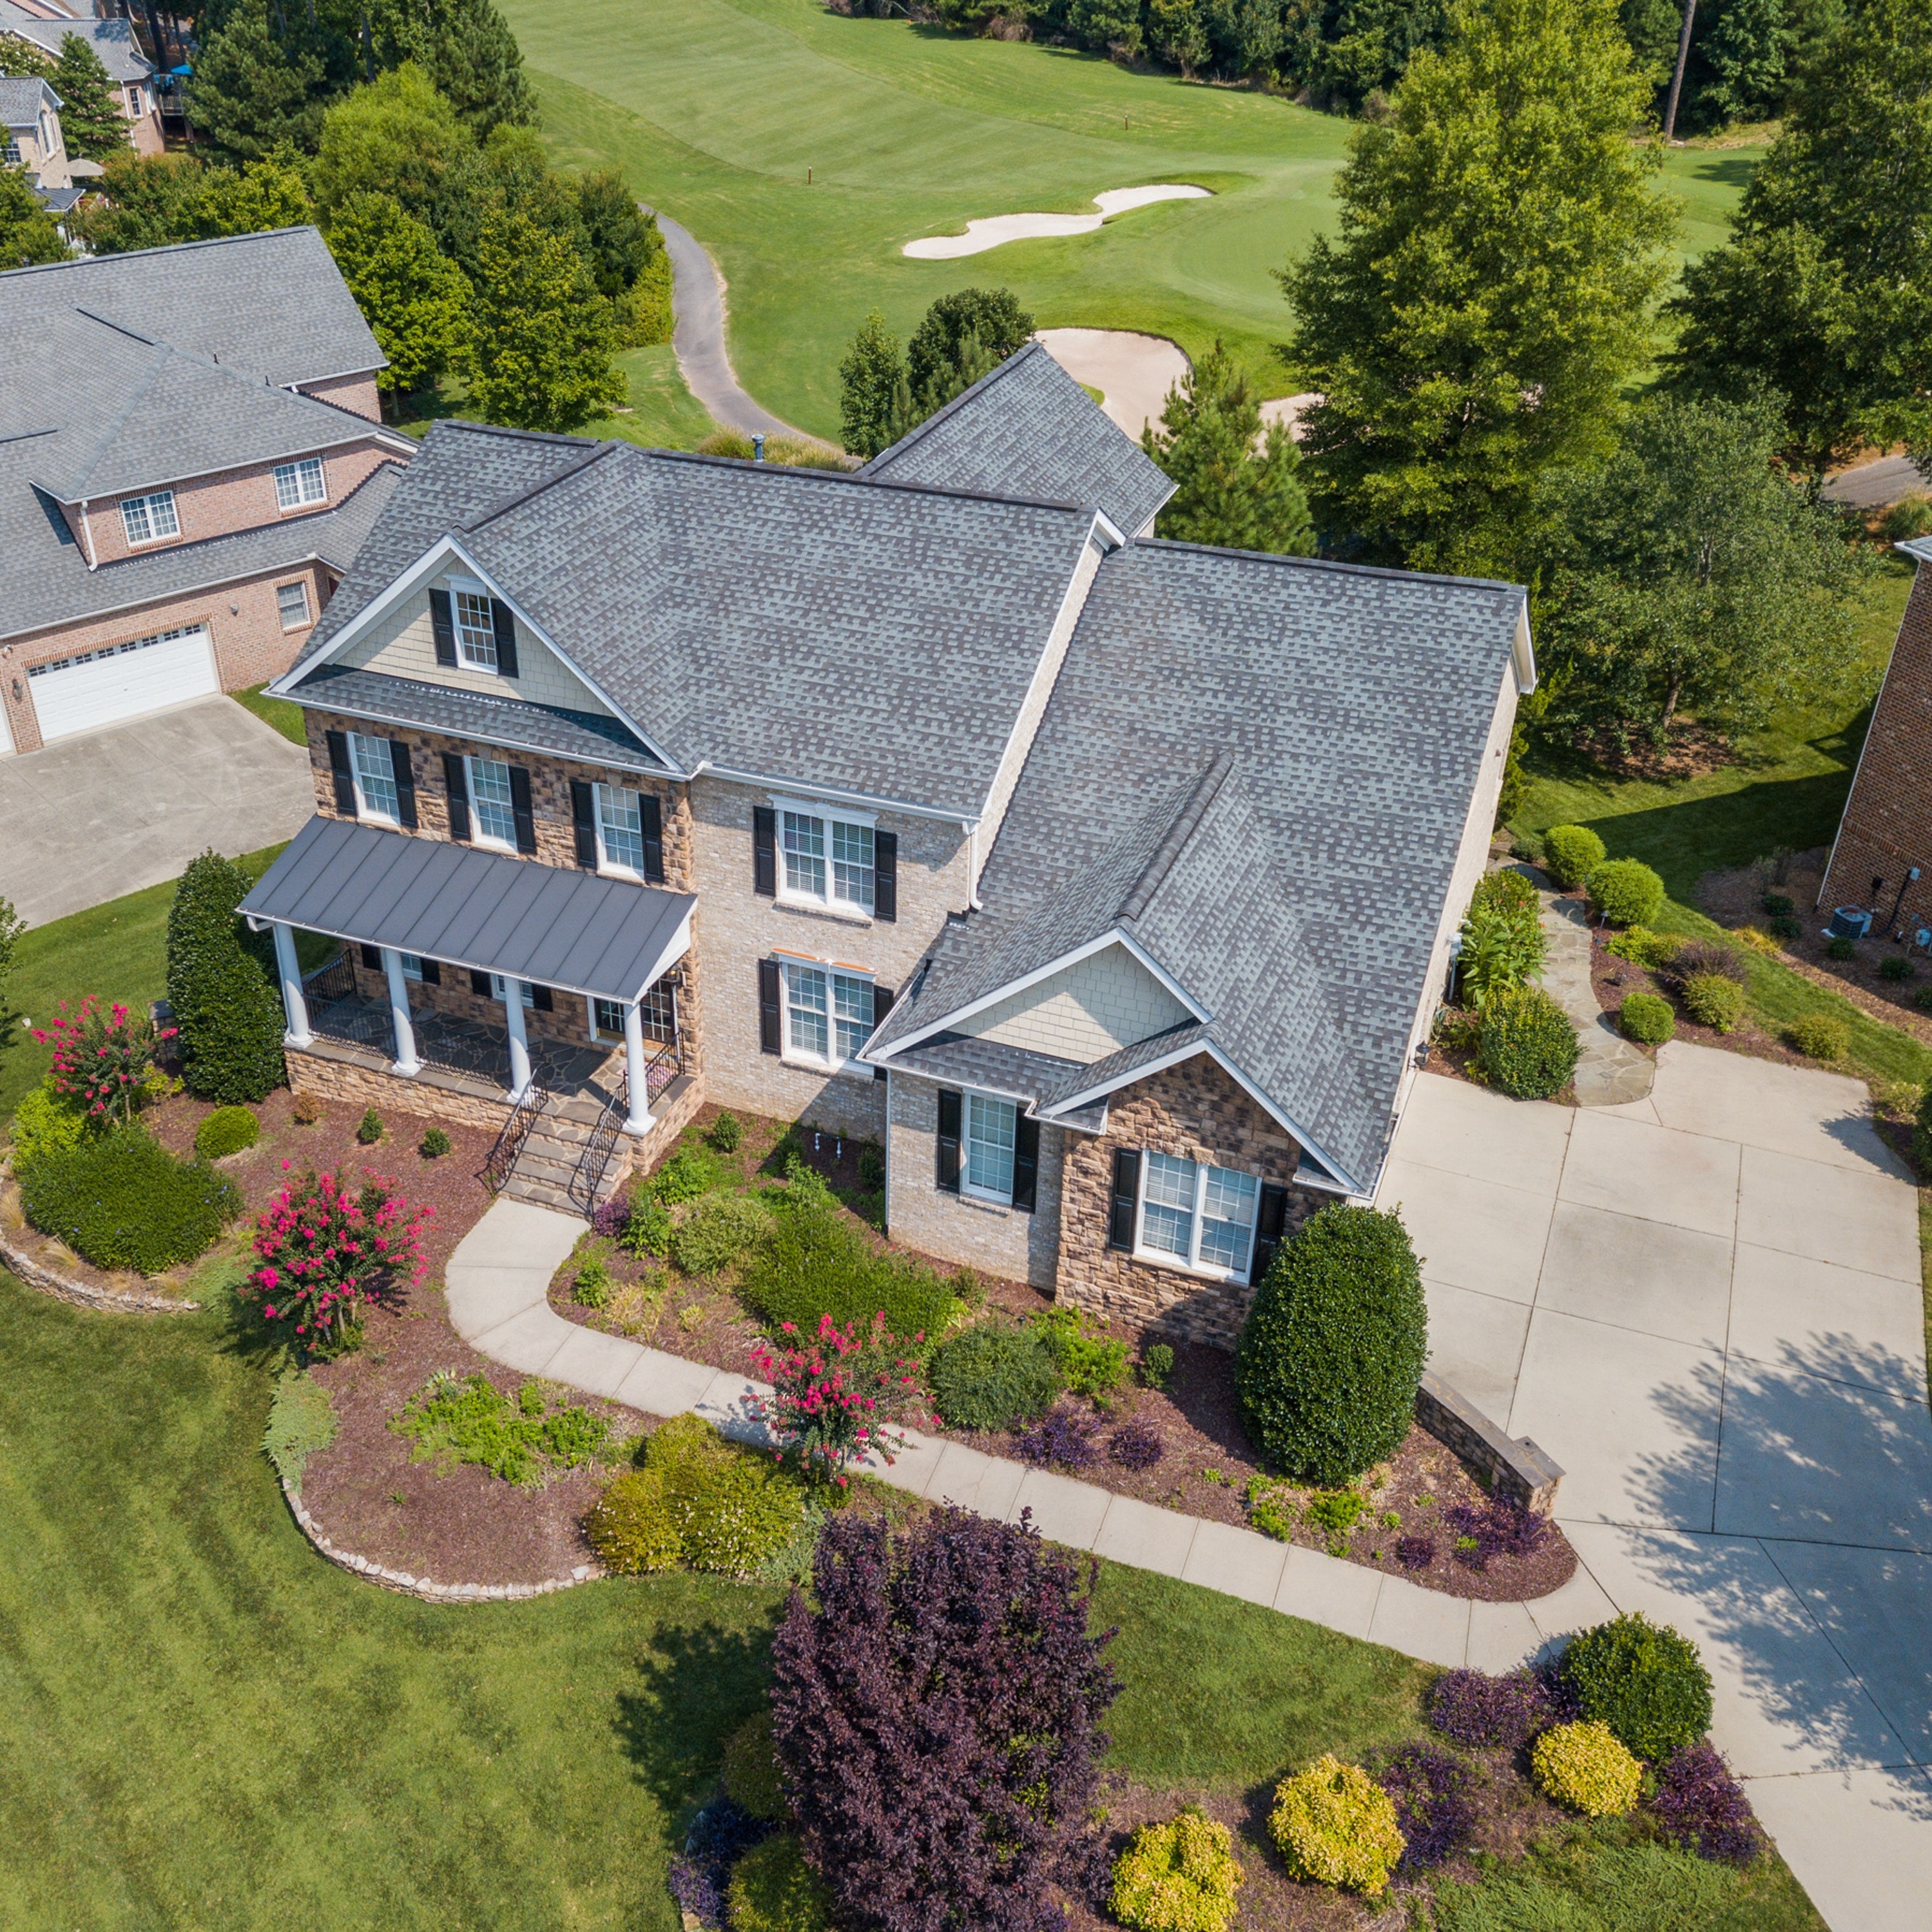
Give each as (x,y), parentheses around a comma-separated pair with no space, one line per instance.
(1000,1240)
(1197,1112)
(329,1078)
(1887,827)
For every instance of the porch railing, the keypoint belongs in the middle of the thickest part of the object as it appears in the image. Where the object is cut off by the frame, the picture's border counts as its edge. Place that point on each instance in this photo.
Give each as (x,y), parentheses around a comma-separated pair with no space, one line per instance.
(510,1142)
(594,1163)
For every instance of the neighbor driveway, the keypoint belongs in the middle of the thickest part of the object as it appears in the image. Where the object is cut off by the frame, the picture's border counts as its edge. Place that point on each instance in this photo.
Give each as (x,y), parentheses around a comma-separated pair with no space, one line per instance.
(92,818)
(1706,1306)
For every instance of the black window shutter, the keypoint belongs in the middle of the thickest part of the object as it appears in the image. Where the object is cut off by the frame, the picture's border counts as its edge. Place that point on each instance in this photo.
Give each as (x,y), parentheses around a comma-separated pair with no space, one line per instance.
(519,809)
(1125,1209)
(1271,1222)
(432,973)
(339,770)
(456,782)
(886,875)
(949,1139)
(770,1039)
(372,958)
(882,1004)
(406,783)
(583,822)
(443,623)
(764,851)
(505,626)
(540,999)
(479,985)
(1026,1161)
(651,816)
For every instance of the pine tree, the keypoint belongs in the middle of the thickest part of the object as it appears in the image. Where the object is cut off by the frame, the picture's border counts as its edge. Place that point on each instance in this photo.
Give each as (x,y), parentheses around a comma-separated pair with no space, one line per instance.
(27,231)
(1233,486)
(222,988)
(91,117)
(872,373)
(259,82)
(474,59)
(416,303)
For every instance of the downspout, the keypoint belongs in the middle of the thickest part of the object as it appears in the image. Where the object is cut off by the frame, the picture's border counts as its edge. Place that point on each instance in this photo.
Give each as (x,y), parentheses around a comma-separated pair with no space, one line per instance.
(87,533)
(972,899)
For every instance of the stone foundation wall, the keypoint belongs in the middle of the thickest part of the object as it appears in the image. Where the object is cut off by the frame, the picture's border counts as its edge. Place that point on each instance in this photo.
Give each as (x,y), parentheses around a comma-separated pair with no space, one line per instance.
(331,1079)
(676,1107)
(1516,1468)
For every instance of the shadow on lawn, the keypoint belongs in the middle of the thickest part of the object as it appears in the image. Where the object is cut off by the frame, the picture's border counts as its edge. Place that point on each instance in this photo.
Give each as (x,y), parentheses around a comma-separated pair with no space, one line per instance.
(695,1686)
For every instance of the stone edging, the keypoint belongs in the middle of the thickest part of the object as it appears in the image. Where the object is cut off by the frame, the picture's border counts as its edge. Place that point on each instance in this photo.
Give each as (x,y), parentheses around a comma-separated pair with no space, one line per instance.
(81,1293)
(402,1582)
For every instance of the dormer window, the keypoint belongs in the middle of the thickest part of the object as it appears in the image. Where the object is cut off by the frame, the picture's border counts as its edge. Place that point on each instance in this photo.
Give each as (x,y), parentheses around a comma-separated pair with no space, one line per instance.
(150,519)
(475,630)
(297,483)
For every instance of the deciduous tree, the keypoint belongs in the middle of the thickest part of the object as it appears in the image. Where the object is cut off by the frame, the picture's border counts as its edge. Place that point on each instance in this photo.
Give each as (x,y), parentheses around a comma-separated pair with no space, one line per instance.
(934,355)
(27,231)
(416,302)
(397,136)
(143,201)
(271,193)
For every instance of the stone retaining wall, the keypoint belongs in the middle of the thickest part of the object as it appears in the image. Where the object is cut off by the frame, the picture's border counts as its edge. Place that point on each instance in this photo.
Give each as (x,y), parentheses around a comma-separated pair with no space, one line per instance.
(50,1281)
(1516,1468)
(427,1095)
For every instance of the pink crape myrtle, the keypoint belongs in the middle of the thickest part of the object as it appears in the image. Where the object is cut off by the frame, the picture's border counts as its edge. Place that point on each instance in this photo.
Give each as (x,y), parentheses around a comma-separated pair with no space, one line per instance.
(830,1396)
(100,1059)
(324,1250)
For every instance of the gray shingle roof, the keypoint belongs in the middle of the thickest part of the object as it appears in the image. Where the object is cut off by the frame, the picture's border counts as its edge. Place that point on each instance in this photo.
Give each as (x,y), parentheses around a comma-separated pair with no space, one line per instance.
(21,100)
(113,40)
(547,924)
(766,620)
(1028,429)
(1292,890)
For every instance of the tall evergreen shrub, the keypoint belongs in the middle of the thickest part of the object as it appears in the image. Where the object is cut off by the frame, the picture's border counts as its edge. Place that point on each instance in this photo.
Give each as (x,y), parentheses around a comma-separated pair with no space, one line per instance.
(222,987)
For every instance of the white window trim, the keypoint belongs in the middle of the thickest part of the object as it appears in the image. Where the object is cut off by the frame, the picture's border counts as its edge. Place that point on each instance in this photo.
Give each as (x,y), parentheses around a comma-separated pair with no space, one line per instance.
(364,809)
(792,1056)
(590,1020)
(988,1194)
(464,587)
(306,621)
(499,988)
(828,814)
(151,496)
(301,502)
(606,864)
(1160,1257)
(478,836)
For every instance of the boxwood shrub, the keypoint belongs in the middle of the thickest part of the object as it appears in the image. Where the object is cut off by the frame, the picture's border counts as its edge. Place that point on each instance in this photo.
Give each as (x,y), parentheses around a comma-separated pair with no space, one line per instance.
(813,1262)
(1646,1017)
(1626,892)
(1331,1354)
(1571,852)
(1643,1680)
(752,1771)
(227,1130)
(1526,1046)
(1714,1000)
(124,1201)
(991,1376)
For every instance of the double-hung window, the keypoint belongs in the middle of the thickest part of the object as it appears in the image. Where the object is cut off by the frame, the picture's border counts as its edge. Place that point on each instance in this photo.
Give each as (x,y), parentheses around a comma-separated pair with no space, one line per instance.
(491,805)
(375,778)
(991,1128)
(526,994)
(291,601)
(828,1014)
(1200,1216)
(476,629)
(620,830)
(299,483)
(827,860)
(150,519)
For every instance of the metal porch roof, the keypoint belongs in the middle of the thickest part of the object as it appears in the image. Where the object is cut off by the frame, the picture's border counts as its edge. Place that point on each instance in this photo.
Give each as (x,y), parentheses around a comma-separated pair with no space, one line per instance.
(552,926)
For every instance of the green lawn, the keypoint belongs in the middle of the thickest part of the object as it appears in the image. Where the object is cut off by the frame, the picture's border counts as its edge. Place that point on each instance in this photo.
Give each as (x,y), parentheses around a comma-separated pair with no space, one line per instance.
(717,110)
(278,711)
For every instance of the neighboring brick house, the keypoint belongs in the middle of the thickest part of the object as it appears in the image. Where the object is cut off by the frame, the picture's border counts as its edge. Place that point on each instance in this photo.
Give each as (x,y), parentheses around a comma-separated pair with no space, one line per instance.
(130,70)
(1881,860)
(1107,883)
(191,453)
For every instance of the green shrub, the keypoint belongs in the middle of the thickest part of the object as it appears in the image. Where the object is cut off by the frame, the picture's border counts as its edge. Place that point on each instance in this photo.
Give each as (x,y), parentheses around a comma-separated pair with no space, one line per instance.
(1777,905)
(1157,1365)
(727,1133)
(1785,927)
(48,1123)
(227,1130)
(1508,888)
(469,1419)
(1820,1036)
(646,1229)
(1336,1513)
(871,1167)
(1841,946)
(1626,892)
(630,1528)
(124,1201)
(774,1890)
(716,1232)
(1646,1018)
(1089,1364)
(1643,947)
(1922,1131)
(1922,999)
(683,1177)
(1502,946)
(1896,966)
(1585,1767)
(1332,1351)
(1715,1001)
(1527,1046)
(1571,853)
(223,987)
(1181,1876)
(990,1376)
(752,1771)
(1643,1680)
(1911,516)
(302,1423)
(591,1284)
(370,1130)
(813,1262)
(433,1145)
(1334,1824)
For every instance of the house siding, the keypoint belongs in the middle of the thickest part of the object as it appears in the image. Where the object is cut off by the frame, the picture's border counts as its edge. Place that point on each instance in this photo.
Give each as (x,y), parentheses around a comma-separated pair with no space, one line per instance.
(1097,1006)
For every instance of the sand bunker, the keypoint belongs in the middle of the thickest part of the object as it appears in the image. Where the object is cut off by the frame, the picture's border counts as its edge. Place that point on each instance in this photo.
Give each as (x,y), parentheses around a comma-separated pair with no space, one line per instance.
(1133,373)
(981,235)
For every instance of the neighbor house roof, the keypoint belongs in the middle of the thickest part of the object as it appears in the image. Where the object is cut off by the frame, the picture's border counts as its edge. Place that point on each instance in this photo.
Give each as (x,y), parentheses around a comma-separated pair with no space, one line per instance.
(550,925)
(1028,429)
(22,99)
(113,40)
(763,621)
(1257,770)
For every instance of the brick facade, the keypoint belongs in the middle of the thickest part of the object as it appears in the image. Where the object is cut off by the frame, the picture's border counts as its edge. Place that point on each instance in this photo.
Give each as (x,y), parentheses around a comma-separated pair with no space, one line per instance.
(1887,826)
(356,392)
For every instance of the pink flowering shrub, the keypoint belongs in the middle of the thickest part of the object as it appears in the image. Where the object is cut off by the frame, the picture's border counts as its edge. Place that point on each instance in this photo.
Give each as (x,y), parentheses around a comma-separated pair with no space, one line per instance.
(831,1397)
(100,1059)
(325,1250)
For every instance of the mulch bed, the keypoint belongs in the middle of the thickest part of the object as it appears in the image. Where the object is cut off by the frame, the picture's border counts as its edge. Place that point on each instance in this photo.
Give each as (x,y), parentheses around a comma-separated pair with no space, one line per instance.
(1207,1459)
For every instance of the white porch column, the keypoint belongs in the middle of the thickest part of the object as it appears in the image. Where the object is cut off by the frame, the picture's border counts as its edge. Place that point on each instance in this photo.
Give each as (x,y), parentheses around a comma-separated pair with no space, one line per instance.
(520,1041)
(406,1062)
(639,1118)
(293,1003)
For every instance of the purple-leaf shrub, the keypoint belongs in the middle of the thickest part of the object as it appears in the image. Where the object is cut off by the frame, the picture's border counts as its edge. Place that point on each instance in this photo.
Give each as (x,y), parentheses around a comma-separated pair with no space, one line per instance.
(1474,1708)
(696,1890)
(1702,1807)
(1136,1445)
(1430,1789)
(1062,1436)
(608,1221)
(1497,1528)
(1415,1552)
(719,1836)
(936,1718)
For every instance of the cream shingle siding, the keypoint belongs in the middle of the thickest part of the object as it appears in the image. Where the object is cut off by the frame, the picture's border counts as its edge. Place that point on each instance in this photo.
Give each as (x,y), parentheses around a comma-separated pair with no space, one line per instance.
(1097,1006)
(404,645)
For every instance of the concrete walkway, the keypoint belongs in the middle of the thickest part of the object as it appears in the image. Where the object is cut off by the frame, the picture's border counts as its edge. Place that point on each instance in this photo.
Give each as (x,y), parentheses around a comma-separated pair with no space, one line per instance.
(1706,1305)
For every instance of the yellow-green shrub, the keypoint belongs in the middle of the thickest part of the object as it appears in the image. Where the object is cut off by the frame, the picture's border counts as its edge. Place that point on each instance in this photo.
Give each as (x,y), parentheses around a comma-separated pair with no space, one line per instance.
(1336,1825)
(630,1528)
(1181,1876)
(47,1123)
(774,1890)
(1583,1766)
(752,1769)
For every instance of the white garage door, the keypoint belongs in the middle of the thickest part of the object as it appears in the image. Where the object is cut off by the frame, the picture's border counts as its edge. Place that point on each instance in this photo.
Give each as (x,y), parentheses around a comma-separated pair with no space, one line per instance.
(95,687)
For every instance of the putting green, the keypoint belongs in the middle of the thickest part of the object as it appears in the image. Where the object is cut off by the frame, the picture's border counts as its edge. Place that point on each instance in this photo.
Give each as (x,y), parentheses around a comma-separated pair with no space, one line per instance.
(718,110)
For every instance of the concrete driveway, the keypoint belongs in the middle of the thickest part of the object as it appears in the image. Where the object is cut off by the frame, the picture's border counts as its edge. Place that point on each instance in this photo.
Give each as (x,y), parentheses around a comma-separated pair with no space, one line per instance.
(1706,1306)
(92,818)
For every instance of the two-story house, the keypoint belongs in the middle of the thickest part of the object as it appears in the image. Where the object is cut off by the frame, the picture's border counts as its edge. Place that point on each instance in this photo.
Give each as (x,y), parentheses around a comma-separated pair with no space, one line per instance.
(1109,883)
(113,39)
(191,453)
(30,125)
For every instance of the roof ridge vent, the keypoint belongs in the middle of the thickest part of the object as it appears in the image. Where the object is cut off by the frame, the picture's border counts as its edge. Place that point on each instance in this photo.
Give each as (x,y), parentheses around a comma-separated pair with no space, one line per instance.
(1193,809)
